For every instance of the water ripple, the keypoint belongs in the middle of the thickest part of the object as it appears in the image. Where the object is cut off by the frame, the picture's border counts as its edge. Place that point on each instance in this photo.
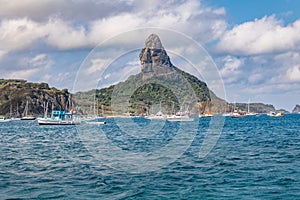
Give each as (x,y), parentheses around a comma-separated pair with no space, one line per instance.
(255,158)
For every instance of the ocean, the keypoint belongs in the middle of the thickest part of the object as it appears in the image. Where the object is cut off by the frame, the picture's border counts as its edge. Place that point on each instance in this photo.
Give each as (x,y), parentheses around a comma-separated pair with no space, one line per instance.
(255,157)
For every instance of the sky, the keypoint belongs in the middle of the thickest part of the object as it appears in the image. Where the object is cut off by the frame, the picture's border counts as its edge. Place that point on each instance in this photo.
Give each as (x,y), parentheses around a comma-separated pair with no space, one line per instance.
(254,44)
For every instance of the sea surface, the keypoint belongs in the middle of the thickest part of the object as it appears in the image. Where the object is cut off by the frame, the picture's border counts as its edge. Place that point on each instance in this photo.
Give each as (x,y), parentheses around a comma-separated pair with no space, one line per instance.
(256,157)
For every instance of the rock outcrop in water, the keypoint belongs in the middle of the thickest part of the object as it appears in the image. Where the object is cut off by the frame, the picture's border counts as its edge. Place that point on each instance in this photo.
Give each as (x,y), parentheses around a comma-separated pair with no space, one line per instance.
(296,109)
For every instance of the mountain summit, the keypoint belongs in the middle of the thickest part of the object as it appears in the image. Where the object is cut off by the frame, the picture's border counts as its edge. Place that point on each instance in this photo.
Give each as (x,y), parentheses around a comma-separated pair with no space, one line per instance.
(153,42)
(154,59)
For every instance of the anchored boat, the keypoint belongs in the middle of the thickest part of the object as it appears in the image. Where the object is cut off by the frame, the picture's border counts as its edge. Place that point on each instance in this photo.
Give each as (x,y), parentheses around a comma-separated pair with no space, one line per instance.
(60,117)
(4,119)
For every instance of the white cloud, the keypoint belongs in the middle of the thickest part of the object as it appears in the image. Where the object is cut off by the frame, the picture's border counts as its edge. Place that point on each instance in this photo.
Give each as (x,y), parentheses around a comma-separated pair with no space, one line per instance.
(265,35)
(2,53)
(29,67)
(68,10)
(42,61)
(190,17)
(231,67)
(23,73)
(97,66)
(255,78)
(293,74)
(16,34)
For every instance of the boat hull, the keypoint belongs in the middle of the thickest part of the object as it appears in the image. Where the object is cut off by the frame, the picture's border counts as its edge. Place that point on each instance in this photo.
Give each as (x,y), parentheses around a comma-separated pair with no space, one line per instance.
(95,123)
(57,122)
(28,118)
(180,119)
(4,121)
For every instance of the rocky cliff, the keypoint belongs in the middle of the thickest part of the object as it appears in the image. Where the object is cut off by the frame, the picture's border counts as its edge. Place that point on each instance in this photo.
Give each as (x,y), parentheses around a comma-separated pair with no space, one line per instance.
(15,93)
(155,60)
(296,109)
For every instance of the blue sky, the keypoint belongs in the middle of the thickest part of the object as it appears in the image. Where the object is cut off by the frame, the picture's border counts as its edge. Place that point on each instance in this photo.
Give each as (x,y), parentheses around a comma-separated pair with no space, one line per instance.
(241,11)
(255,44)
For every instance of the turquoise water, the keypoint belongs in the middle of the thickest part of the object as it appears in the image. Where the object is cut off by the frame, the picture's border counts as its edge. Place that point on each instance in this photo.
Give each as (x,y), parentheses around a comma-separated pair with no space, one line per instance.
(256,157)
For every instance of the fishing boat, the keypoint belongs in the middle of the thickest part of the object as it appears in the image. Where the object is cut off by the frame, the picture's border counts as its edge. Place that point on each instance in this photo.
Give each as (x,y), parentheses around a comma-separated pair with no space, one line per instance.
(25,115)
(4,119)
(60,117)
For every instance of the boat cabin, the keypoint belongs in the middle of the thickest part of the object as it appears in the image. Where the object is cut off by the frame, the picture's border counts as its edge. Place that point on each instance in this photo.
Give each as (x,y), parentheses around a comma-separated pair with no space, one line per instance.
(62,115)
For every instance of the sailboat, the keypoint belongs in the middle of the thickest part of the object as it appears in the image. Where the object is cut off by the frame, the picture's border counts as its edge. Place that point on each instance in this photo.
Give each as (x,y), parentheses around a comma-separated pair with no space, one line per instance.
(4,119)
(248,110)
(96,119)
(180,117)
(158,116)
(235,113)
(25,115)
(17,116)
(227,111)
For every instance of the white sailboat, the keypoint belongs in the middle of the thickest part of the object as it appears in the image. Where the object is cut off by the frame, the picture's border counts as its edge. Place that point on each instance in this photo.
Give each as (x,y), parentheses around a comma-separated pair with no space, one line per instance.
(25,115)
(248,110)
(96,119)
(158,116)
(236,113)
(17,116)
(180,117)
(4,119)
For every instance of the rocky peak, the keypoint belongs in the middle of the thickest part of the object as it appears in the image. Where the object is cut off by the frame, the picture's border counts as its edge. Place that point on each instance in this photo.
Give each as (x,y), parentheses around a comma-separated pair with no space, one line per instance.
(296,109)
(154,59)
(153,42)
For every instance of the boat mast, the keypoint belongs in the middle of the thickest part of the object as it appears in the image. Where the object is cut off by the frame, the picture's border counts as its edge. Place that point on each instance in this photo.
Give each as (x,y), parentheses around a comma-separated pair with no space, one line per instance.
(248,105)
(52,107)
(18,114)
(46,110)
(25,112)
(10,110)
(95,103)
(102,109)
(173,108)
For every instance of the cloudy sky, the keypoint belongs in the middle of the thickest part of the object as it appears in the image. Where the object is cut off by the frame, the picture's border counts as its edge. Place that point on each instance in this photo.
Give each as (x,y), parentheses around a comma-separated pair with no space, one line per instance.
(255,44)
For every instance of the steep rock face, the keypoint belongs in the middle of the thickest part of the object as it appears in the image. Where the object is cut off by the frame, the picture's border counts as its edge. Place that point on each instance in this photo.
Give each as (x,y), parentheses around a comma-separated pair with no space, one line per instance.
(296,109)
(154,59)
(14,94)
